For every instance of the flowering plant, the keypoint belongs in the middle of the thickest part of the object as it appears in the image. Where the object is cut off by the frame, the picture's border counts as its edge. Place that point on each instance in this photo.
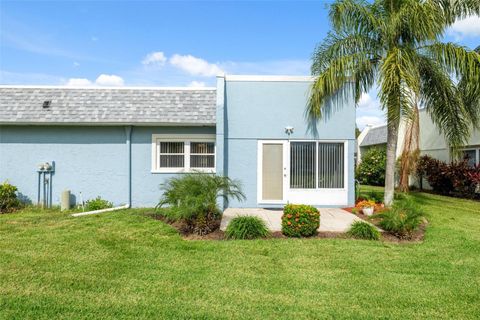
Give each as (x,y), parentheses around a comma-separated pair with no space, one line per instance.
(366,204)
(300,220)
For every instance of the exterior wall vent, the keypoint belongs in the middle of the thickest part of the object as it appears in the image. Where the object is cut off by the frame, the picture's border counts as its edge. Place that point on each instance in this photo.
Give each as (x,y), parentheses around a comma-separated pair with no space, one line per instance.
(46,104)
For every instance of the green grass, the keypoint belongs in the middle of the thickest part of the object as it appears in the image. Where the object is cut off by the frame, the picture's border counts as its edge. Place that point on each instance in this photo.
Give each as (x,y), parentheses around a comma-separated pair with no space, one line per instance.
(123,265)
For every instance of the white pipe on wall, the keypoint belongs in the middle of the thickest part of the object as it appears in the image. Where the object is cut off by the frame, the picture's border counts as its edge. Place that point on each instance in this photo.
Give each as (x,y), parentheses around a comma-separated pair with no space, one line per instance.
(100,211)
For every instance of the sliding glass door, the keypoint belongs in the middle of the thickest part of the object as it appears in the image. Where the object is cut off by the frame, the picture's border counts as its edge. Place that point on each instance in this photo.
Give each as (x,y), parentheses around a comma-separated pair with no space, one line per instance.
(311,172)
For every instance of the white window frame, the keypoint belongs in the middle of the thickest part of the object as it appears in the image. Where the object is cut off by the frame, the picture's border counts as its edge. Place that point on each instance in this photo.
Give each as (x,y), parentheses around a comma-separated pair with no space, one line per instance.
(186,139)
(477,153)
(333,196)
(345,165)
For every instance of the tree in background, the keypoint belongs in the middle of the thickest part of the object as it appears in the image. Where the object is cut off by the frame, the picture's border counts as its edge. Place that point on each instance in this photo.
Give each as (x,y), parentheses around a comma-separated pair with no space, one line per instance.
(397,43)
(371,170)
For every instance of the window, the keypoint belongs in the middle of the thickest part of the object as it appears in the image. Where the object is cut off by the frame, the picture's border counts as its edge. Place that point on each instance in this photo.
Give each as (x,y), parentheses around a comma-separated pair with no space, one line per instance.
(202,155)
(317,165)
(182,153)
(172,154)
(302,165)
(472,156)
(330,165)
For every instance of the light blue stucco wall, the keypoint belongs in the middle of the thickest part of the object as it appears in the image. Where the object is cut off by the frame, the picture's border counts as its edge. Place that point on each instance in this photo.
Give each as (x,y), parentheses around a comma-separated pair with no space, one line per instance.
(90,160)
(145,185)
(93,160)
(256,110)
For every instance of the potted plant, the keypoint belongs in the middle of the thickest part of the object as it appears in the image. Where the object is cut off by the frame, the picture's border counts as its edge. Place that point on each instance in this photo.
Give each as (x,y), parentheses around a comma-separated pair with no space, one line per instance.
(367,207)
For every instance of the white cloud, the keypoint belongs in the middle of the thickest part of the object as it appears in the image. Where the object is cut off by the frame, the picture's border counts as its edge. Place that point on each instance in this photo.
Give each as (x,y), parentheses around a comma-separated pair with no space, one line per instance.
(197,84)
(367,103)
(109,80)
(155,58)
(365,100)
(373,120)
(102,80)
(78,82)
(76,64)
(468,27)
(195,66)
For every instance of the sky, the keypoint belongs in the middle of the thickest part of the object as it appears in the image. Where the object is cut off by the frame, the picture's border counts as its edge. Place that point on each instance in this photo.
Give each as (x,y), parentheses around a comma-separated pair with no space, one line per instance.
(170,43)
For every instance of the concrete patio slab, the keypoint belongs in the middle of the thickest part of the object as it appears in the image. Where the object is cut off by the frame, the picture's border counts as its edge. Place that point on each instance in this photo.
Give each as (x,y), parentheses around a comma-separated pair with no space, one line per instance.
(331,219)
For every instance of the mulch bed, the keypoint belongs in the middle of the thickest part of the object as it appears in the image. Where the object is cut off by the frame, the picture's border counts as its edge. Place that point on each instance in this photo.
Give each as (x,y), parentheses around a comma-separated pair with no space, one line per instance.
(417,236)
(215,235)
(218,234)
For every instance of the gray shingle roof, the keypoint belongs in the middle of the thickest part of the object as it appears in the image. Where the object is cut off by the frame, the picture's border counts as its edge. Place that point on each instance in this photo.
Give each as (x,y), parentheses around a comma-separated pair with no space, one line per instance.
(376,135)
(23,105)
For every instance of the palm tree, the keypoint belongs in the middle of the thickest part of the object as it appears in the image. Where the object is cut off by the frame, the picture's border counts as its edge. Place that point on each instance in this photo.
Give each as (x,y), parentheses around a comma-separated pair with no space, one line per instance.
(411,151)
(397,44)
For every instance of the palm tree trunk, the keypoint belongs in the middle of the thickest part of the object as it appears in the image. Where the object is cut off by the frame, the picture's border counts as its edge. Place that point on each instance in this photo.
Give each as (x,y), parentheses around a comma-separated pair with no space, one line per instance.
(392,138)
(410,150)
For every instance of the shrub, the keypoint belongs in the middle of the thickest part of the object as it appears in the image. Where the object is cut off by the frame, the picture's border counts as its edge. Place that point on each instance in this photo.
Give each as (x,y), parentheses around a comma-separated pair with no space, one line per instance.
(8,198)
(193,198)
(246,227)
(455,177)
(402,219)
(374,196)
(435,172)
(371,169)
(97,204)
(363,230)
(300,220)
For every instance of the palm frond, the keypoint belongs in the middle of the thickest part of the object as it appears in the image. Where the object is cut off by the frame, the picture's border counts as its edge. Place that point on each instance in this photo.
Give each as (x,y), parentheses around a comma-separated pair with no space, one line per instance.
(443,102)
(331,82)
(416,22)
(457,9)
(354,16)
(364,77)
(337,45)
(470,92)
(399,81)
(455,59)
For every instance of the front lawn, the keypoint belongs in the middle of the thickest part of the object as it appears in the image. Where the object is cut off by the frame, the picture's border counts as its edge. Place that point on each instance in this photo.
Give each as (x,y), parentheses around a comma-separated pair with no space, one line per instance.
(124,264)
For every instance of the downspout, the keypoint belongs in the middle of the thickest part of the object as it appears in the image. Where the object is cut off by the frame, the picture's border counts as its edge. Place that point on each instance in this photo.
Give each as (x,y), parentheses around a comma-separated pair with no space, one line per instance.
(220,131)
(128,132)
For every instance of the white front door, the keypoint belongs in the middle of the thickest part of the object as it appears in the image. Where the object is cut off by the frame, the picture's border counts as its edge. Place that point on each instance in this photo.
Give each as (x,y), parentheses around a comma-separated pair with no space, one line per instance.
(272,171)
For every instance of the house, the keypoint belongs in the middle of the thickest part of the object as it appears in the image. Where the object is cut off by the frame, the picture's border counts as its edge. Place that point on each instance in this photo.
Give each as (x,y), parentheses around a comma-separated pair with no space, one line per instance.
(371,137)
(123,143)
(431,141)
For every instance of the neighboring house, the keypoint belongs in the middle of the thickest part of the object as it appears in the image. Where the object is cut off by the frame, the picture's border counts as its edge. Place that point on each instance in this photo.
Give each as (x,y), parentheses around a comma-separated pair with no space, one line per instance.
(371,137)
(433,143)
(123,143)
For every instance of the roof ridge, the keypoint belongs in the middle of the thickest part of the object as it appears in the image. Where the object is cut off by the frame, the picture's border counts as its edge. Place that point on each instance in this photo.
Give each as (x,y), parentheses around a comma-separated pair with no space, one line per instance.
(7,86)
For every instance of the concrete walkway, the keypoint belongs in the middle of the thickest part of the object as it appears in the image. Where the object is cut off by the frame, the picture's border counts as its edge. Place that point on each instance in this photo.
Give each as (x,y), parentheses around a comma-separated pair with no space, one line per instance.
(331,219)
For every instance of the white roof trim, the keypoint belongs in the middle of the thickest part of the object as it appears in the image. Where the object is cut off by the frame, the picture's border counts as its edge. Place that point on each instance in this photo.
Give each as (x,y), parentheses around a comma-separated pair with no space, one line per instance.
(269,78)
(376,126)
(103,87)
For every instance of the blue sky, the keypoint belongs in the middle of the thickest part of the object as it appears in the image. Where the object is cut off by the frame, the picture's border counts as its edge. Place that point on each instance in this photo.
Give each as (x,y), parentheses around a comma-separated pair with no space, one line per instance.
(175,43)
